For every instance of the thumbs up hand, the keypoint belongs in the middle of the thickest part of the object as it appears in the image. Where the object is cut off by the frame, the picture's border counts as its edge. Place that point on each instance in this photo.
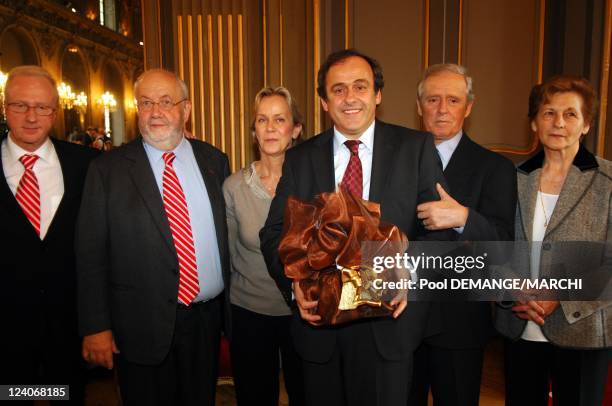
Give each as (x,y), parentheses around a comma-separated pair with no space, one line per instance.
(442,214)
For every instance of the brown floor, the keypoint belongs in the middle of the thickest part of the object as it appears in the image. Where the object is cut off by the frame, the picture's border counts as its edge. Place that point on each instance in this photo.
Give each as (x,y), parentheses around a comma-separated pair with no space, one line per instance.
(101,390)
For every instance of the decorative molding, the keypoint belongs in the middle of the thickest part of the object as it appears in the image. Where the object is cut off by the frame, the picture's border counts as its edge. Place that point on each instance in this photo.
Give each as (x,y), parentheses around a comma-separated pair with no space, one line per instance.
(54,23)
(605,80)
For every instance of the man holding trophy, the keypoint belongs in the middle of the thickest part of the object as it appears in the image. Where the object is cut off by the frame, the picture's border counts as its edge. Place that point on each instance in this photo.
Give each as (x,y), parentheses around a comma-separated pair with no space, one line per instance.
(366,361)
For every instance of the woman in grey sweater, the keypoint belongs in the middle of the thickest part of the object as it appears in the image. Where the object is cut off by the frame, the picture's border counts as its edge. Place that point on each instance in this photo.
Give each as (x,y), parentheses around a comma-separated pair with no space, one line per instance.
(260,315)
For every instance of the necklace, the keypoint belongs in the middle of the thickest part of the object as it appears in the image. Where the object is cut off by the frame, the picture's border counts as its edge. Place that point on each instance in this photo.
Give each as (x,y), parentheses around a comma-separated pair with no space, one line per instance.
(546,218)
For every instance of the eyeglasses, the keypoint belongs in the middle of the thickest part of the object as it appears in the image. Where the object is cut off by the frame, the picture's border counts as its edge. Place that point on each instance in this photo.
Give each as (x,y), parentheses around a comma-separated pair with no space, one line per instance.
(21,108)
(165,104)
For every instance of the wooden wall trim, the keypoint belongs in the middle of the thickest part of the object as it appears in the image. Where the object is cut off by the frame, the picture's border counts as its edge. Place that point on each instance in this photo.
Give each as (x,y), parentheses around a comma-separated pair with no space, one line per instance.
(604,83)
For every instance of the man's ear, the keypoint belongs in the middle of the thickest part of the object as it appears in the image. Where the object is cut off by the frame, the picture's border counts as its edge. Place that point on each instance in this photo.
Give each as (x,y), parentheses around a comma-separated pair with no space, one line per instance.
(468,110)
(324,104)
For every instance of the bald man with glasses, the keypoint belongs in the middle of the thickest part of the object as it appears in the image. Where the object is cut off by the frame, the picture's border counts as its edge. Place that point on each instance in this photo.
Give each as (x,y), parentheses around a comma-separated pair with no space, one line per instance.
(40,194)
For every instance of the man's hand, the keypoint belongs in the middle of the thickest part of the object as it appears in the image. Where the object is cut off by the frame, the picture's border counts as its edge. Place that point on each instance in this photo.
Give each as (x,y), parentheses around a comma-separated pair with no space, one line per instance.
(442,214)
(399,302)
(535,310)
(306,307)
(99,348)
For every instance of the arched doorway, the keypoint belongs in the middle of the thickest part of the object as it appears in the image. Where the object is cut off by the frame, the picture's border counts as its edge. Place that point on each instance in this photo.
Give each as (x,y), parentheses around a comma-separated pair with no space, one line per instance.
(75,75)
(113,83)
(16,48)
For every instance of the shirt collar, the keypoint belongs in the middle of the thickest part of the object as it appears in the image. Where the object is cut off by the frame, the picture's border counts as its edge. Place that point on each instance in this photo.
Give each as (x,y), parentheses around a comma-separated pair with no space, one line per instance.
(44,152)
(367,138)
(584,160)
(157,154)
(447,147)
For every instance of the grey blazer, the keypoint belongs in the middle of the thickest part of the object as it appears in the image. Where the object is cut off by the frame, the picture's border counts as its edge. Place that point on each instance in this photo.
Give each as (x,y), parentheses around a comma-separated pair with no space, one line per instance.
(582,213)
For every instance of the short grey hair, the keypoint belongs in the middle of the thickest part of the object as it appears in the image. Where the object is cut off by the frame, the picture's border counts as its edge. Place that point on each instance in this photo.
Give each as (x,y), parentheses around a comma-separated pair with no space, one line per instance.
(447,67)
(182,85)
(31,70)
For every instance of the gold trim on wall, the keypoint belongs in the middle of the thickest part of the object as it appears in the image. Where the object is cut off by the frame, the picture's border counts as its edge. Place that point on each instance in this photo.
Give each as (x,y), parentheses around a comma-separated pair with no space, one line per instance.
(179,34)
(460,34)
(347,43)
(243,143)
(211,81)
(317,62)
(541,35)
(221,81)
(535,142)
(159,34)
(194,121)
(201,75)
(604,83)
(230,67)
(426,36)
(265,42)
(281,29)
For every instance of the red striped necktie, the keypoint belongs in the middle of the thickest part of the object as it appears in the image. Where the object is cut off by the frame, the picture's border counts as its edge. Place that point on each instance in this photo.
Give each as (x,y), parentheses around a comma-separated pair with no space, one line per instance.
(353,175)
(177,212)
(28,192)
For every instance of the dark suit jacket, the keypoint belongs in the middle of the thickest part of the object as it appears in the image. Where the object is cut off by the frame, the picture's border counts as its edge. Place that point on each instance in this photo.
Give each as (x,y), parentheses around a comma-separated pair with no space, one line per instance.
(485,182)
(38,280)
(404,174)
(126,260)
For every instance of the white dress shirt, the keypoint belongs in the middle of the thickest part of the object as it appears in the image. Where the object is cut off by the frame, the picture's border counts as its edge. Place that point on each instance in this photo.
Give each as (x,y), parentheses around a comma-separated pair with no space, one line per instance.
(48,171)
(342,155)
(201,217)
(447,147)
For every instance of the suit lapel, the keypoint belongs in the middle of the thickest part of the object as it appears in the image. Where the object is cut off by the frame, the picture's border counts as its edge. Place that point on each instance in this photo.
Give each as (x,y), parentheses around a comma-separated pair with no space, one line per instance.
(460,168)
(211,180)
(528,185)
(144,182)
(8,201)
(69,176)
(382,158)
(323,162)
(575,186)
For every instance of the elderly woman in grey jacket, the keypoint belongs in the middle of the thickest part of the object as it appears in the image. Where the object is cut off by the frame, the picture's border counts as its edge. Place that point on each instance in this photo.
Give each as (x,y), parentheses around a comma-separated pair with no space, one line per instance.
(564,195)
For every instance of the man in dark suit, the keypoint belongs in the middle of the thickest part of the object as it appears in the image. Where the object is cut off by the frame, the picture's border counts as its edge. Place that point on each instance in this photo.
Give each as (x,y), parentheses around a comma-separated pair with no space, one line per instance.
(365,362)
(40,194)
(152,255)
(479,205)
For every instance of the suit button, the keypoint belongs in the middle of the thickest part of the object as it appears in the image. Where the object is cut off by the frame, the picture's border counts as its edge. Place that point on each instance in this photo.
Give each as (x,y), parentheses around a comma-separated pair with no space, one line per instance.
(546,246)
(42,291)
(171,301)
(175,271)
(576,315)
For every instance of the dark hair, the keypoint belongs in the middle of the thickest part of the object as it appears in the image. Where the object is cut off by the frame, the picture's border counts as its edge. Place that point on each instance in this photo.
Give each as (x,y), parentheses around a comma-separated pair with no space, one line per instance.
(541,94)
(82,138)
(338,57)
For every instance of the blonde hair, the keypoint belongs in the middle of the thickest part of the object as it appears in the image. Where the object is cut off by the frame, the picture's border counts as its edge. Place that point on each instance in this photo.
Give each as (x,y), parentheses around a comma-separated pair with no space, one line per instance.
(30,70)
(284,93)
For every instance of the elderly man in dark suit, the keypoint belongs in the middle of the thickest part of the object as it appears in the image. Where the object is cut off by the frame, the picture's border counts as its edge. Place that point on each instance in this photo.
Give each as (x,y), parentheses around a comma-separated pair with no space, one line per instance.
(366,362)
(152,254)
(40,194)
(479,206)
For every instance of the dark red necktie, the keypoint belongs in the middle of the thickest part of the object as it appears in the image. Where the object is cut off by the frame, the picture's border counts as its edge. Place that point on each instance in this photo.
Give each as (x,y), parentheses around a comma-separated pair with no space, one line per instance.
(353,176)
(28,193)
(175,205)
